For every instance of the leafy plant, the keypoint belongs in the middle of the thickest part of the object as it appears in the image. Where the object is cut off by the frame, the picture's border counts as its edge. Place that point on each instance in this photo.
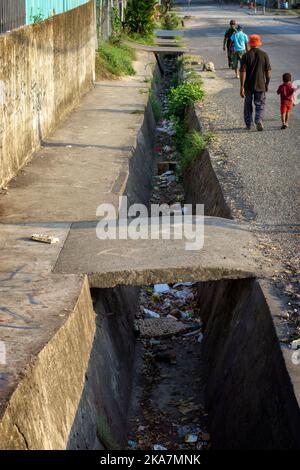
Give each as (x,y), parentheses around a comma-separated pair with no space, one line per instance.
(116,22)
(170,20)
(115,58)
(37,17)
(140,16)
(194,143)
(183,96)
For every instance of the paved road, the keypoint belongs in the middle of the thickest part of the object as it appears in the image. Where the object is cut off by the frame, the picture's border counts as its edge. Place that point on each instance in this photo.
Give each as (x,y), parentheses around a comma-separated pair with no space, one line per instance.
(269,162)
(265,166)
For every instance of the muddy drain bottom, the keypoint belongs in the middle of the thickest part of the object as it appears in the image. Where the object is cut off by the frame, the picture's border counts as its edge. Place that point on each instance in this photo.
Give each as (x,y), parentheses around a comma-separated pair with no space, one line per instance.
(168,406)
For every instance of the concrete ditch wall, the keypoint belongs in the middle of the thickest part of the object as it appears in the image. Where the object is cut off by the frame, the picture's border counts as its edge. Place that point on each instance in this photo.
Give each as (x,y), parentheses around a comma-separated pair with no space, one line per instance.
(101,418)
(42,409)
(250,398)
(141,164)
(46,67)
(201,185)
(76,393)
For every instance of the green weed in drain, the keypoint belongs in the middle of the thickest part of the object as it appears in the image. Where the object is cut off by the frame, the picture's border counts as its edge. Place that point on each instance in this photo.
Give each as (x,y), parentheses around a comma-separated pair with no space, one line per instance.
(105,435)
(183,96)
(194,144)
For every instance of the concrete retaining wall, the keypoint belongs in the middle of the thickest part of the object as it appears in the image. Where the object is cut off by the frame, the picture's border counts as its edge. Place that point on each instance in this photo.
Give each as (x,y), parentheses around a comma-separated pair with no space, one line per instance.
(76,393)
(140,171)
(250,398)
(101,418)
(45,69)
(42,409)
(201,186)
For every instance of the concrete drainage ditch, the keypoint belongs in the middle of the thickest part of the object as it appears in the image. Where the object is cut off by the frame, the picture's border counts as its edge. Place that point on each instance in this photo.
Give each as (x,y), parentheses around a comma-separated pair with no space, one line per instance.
(216,379)
(193,364)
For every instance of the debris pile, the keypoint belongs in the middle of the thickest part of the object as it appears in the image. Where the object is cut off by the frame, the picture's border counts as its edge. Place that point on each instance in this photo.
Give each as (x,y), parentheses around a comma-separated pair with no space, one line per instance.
(166,311)
(170,413)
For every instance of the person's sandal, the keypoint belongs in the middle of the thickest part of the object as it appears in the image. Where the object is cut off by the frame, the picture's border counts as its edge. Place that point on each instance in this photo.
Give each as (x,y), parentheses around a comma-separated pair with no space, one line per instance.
(259,126)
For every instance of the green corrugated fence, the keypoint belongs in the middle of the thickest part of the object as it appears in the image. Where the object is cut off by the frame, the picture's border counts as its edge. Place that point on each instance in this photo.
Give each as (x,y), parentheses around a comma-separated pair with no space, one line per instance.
(41,9)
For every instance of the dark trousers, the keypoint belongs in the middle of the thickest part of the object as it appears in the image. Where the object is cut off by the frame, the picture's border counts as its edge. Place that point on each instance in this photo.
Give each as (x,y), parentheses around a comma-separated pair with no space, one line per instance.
(259,98)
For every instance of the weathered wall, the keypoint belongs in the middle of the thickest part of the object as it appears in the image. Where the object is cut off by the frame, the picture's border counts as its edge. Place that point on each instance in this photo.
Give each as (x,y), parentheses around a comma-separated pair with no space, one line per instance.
(45,68)
(139,183)
(101,418)
(201,186)
(42,409)
(250,398)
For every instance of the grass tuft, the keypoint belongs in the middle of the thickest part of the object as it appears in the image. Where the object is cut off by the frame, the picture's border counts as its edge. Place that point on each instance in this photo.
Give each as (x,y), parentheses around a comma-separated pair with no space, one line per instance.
(136,37)
(193,145)
(114,60)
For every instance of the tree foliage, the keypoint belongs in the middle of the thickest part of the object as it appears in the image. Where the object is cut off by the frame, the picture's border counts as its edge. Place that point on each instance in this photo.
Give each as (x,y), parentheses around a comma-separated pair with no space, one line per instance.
(139,16)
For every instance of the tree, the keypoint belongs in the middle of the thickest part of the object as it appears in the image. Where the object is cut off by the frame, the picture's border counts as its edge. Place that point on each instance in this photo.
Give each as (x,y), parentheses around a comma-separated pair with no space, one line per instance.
(139,16)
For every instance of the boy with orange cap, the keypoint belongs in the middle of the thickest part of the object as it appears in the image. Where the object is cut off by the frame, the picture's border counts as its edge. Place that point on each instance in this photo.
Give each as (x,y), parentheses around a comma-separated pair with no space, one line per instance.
(255,74)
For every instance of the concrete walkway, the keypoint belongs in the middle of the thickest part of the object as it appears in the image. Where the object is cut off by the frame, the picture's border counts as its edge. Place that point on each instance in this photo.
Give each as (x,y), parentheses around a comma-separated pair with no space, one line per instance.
(83,164)
(226,254)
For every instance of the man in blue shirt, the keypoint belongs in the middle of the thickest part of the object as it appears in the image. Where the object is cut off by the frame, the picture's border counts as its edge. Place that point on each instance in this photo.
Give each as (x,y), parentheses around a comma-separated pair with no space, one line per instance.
(240,44)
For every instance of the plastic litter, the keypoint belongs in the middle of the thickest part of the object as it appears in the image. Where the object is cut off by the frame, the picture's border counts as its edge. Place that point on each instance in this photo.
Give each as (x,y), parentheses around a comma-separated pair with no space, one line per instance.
(185,294)
(154,342)
(193,333)
(159,447)
(188,429)
(190,438)
(132,444)
(200,338)
(172,316)
(186,315)
(161,288)
(166,130)
(150,314)
(183,284)
(295,344)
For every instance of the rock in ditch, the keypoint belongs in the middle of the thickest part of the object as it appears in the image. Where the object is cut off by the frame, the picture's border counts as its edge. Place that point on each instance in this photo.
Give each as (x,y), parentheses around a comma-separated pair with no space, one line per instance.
(157,327)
